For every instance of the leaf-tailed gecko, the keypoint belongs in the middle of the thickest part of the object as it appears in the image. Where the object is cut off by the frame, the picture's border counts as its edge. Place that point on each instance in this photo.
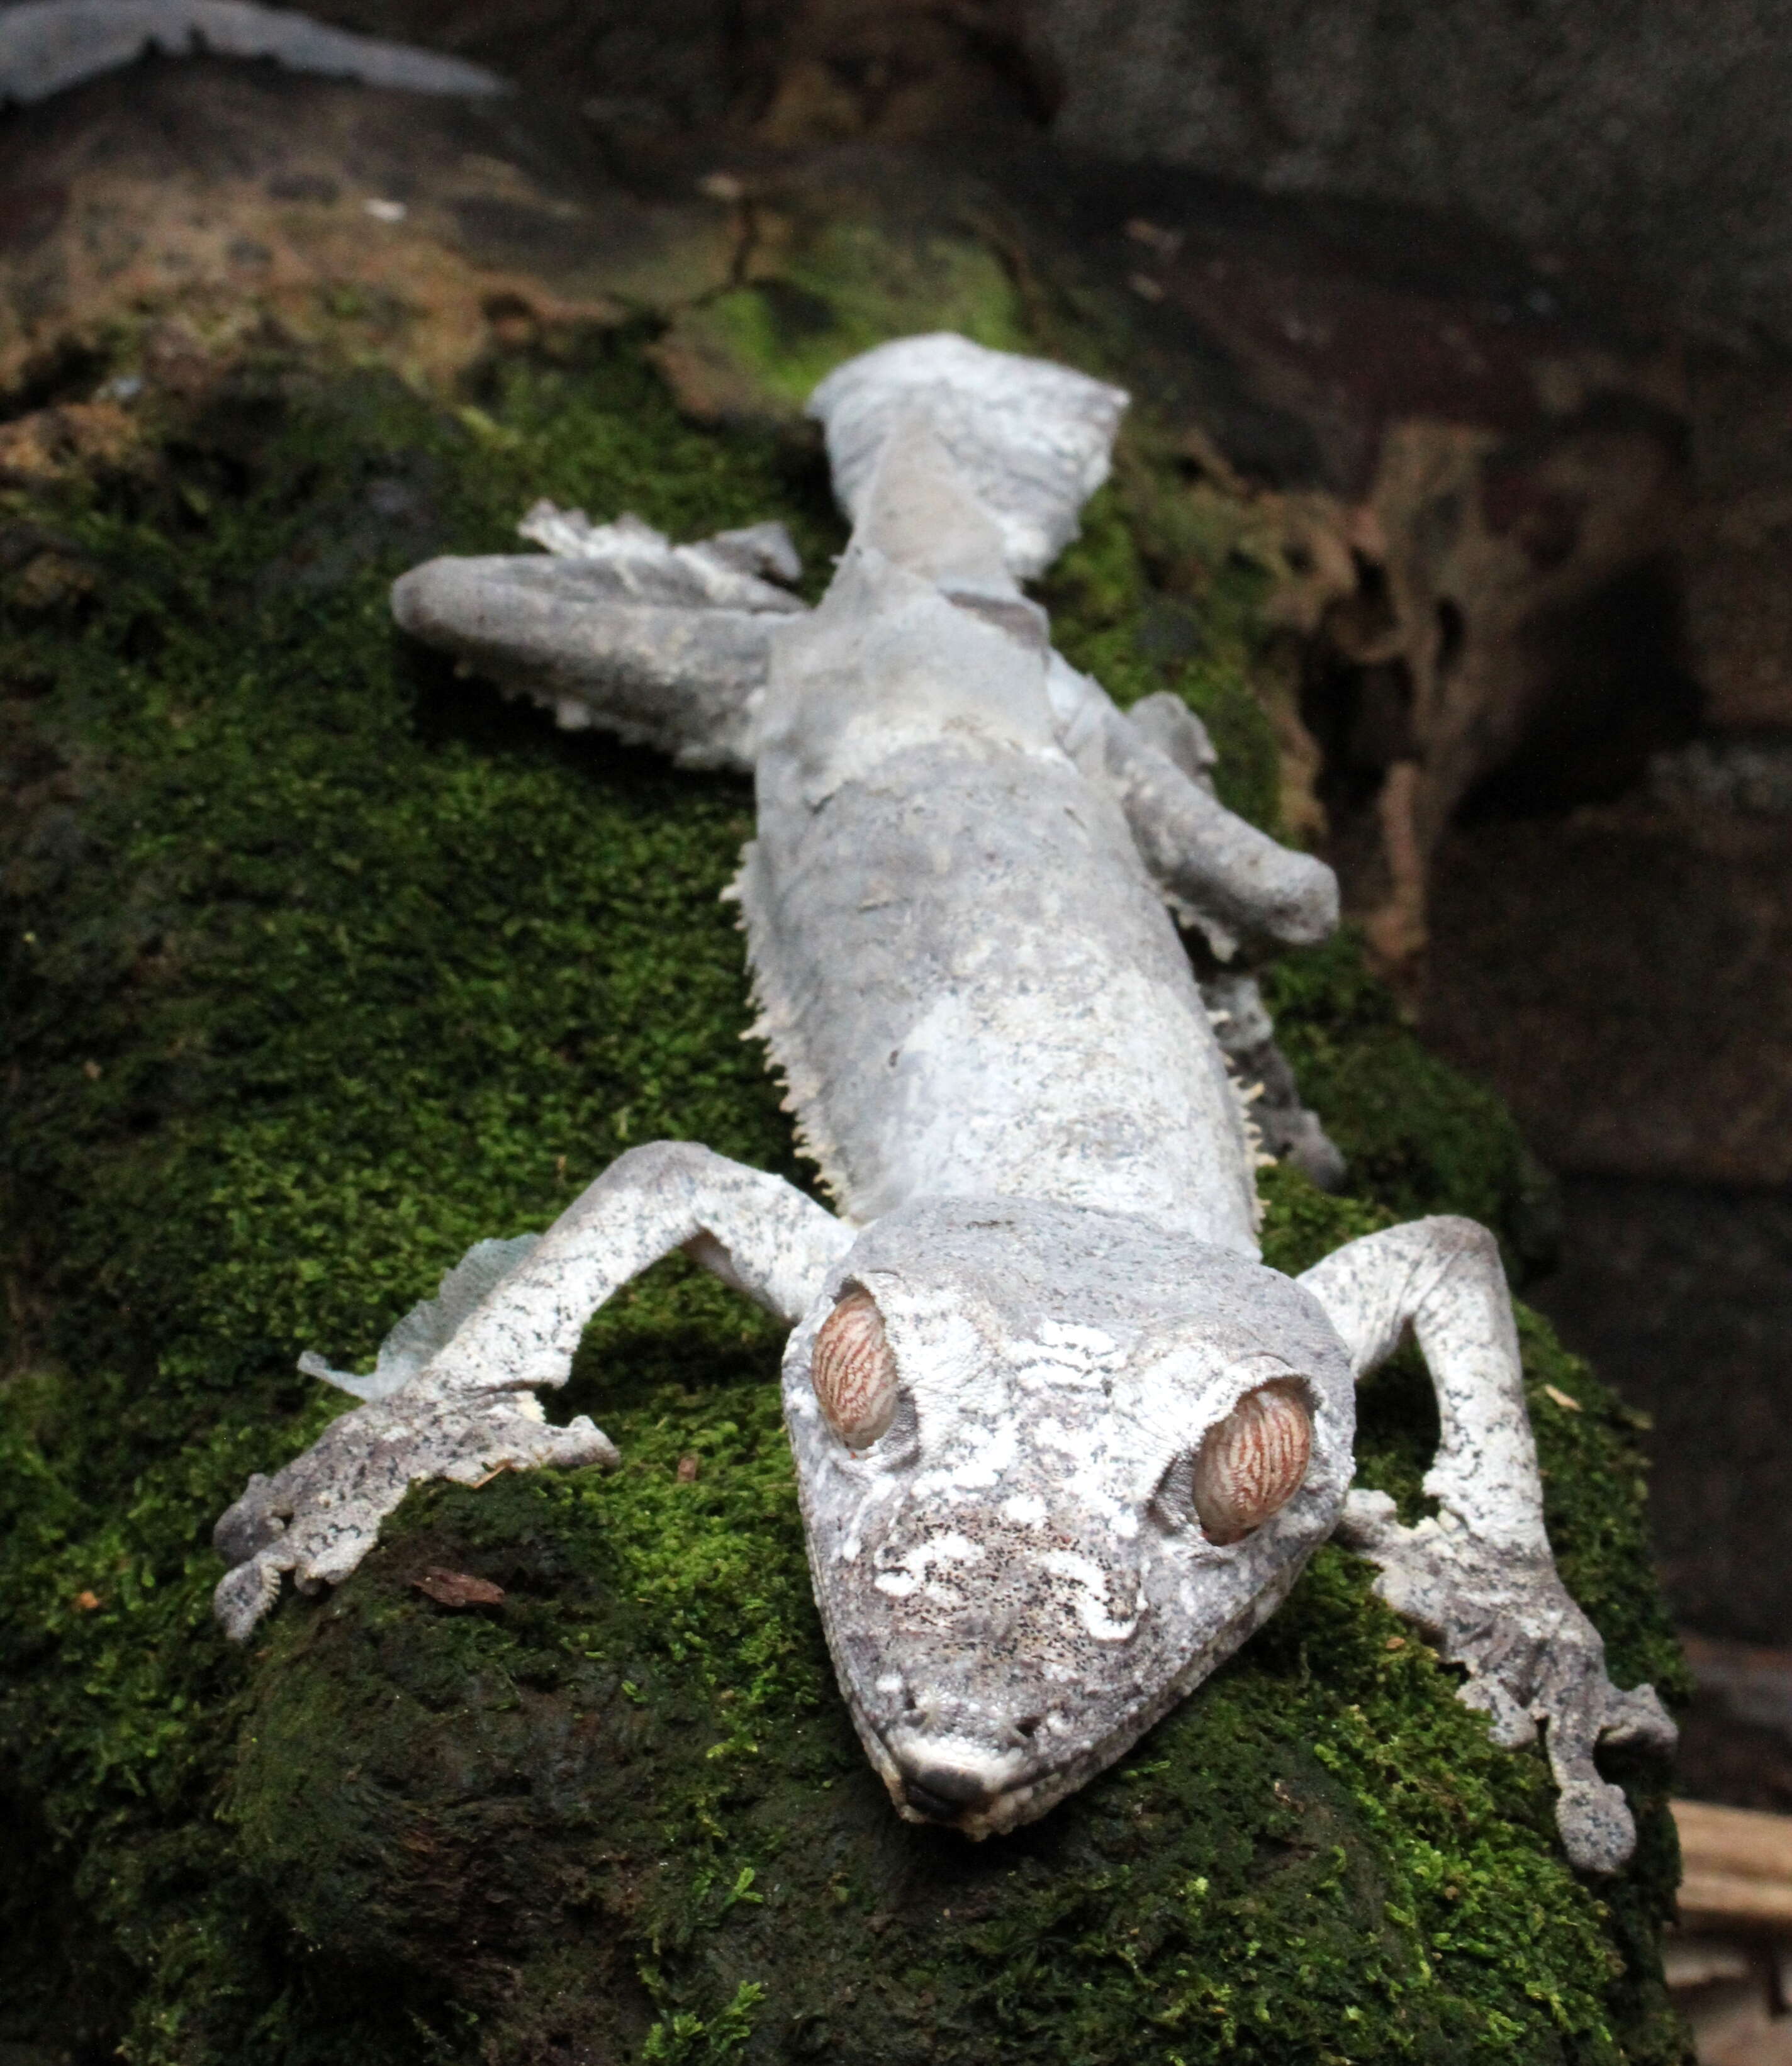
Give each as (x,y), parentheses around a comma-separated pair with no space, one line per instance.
(1063,1440)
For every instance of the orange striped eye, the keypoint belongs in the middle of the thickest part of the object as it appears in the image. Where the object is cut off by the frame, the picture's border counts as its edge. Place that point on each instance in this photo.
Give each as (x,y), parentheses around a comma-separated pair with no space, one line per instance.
(853,1371)
(1253,1463)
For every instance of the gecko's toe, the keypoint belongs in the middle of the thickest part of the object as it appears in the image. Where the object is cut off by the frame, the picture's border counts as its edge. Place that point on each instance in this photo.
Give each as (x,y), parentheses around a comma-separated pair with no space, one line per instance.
(1639,1717)
(245,1594)
(1598,1832)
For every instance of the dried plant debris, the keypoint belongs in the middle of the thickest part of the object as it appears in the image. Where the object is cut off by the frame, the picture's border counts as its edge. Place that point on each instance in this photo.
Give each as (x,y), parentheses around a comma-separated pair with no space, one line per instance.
(457,1589)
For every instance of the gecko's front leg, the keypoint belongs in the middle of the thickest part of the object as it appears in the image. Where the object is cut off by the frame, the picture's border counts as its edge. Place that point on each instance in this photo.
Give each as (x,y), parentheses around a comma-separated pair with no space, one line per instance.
(1479,1576)
(665,645)
(454,1397)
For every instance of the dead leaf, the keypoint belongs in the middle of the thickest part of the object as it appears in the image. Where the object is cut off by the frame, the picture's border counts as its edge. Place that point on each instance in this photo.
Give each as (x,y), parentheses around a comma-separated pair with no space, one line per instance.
(1561,1399)
(86,1602)
(689,1469)
(458,1589)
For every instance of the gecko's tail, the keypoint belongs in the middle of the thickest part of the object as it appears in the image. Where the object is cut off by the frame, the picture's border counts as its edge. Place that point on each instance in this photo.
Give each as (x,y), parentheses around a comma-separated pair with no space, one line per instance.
(1031,440)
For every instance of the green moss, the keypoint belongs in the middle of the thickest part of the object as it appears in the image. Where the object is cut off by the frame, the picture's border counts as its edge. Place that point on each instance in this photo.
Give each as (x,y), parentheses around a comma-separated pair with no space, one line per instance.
(1418,1136)
(1146,600)
(841,288)
(320,965)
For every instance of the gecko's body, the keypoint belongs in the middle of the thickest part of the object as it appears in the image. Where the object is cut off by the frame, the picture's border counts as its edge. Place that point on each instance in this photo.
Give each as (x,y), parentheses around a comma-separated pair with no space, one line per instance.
(1062,1440)
(950,925)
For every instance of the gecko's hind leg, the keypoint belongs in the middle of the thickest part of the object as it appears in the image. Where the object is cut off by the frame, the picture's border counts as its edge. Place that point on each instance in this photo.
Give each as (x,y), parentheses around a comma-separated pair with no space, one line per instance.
(1245,892)
(1479,1576)
(454,1394)
(666,646)
(1245,889)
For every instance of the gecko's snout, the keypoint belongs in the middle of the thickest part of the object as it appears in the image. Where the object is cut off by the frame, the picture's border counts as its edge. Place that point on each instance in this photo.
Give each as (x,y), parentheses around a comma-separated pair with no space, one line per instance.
(954,1782)
(943,1792)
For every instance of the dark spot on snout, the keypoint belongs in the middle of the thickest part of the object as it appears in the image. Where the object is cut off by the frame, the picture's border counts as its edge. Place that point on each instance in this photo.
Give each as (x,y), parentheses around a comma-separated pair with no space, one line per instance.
(942,1792)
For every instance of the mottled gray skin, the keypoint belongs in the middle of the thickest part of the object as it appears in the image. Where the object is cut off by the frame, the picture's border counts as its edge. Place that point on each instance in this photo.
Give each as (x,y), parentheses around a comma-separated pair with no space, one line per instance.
(960,917)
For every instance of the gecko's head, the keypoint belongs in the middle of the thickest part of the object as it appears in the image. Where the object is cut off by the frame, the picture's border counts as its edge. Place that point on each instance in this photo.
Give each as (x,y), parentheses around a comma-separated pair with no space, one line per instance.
(1056,1465)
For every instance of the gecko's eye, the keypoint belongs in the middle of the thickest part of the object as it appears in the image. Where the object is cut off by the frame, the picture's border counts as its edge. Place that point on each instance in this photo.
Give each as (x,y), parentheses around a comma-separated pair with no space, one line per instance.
(1253,1463)
(853,1371)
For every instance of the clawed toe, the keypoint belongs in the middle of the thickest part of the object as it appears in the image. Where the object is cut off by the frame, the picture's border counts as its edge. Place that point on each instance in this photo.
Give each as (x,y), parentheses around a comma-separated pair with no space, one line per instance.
(1638,1717)
(1598,1831)
(245,1594)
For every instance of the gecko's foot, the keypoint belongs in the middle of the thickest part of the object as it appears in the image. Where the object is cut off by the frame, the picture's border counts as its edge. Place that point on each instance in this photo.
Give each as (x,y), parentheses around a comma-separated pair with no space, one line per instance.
(1532,1656)
(318,1516)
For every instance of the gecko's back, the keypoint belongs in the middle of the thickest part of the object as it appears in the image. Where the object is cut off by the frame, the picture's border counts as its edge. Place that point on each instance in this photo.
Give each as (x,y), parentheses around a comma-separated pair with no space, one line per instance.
(965,975)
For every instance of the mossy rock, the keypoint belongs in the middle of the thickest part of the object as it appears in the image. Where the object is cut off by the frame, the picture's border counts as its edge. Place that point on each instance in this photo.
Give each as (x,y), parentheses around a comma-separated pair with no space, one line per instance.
(320,965)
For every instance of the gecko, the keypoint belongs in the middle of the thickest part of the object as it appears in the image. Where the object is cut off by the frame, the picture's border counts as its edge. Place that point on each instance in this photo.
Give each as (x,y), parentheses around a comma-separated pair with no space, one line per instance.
(1062,1440)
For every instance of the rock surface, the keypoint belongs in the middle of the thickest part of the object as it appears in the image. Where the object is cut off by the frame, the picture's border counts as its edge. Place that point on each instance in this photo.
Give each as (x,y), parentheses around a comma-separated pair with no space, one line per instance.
(1658,149)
